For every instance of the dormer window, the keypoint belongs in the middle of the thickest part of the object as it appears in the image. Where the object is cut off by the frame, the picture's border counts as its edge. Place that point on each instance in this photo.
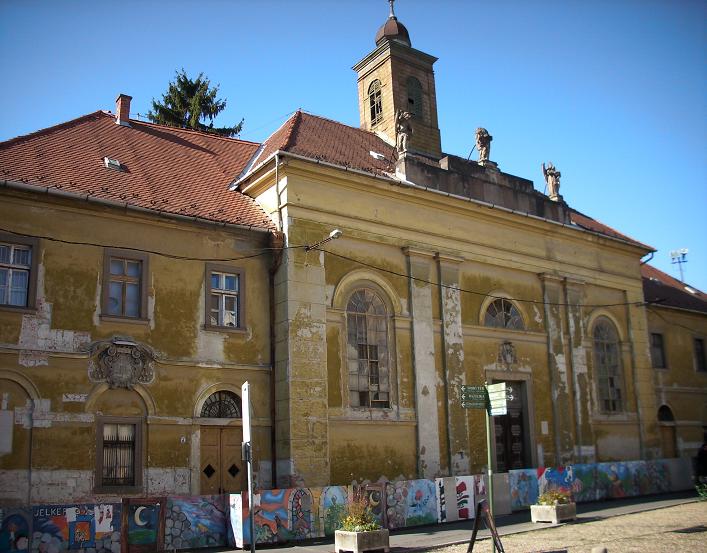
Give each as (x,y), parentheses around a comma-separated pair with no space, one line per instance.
(414,89)
(375,102)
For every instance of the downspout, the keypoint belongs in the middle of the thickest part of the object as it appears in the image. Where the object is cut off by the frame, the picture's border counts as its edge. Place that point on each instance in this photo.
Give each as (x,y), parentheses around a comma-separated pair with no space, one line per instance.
(276,262)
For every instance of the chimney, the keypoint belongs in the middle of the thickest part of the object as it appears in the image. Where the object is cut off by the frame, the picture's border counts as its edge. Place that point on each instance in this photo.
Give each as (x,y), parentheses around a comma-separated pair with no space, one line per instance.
(122,110)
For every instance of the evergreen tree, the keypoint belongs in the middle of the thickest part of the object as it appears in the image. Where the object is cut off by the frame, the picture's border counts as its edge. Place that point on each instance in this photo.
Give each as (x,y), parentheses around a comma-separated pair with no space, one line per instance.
(188,104)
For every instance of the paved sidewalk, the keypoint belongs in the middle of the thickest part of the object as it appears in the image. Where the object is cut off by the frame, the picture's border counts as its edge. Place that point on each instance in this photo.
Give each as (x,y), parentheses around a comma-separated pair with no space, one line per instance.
(440,535)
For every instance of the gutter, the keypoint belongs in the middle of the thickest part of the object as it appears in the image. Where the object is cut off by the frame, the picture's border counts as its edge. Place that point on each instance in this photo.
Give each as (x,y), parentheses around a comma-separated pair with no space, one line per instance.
(53,191)
(401,182)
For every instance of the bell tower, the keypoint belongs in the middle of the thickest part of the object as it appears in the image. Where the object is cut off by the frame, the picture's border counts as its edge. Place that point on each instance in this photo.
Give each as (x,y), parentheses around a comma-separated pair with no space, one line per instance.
(395,77)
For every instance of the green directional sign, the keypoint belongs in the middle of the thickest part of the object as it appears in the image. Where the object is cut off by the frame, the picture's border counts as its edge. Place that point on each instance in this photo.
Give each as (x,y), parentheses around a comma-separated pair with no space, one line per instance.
(474,397)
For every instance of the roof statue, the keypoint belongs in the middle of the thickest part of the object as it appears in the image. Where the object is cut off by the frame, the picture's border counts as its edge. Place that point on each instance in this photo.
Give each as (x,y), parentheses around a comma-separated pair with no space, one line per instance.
(483,144)
(552,180)
(403,130)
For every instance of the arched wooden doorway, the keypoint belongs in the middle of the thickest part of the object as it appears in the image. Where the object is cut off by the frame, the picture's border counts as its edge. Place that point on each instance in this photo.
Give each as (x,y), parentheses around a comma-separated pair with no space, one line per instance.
(668,438)
(221,467)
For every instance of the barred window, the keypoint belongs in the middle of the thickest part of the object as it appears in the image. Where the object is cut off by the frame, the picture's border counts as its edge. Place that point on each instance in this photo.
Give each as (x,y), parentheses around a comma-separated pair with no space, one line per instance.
(367,350)
(375,102)
(503,314)
(118,455)
(607,365)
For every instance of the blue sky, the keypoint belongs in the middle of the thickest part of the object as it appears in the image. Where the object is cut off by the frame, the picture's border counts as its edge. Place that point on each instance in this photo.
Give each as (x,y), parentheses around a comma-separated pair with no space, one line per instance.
(614,93)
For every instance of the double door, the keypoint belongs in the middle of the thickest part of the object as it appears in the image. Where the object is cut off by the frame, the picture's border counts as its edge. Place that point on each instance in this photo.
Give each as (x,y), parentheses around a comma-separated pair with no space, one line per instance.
(511,440)
(222,470)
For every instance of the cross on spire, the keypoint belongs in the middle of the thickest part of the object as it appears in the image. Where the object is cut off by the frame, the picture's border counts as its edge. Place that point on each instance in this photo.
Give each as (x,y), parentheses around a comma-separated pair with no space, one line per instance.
(392,9)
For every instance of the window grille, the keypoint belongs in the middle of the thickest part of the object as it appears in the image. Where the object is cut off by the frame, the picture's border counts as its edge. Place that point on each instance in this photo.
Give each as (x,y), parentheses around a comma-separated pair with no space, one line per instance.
(118,455)
(367,357)
(15,266)
(414,89)
(375,102)
(607,363)
(503,314)
(222,405)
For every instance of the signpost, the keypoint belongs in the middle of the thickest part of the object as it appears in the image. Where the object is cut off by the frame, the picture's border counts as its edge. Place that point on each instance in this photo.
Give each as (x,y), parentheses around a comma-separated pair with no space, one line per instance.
(493,399)
(247,455)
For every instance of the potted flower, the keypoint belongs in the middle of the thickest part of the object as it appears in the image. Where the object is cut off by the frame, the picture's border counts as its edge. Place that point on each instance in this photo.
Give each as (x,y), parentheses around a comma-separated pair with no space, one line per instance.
(553,506)
(360,531)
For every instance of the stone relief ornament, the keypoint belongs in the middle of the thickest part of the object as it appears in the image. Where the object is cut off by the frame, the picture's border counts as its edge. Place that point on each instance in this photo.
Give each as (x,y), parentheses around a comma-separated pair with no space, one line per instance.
(121,362)
(507,354)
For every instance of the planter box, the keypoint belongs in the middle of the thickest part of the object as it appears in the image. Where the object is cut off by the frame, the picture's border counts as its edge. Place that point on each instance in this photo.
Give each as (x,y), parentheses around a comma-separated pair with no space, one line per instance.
(362,541)
(553,513)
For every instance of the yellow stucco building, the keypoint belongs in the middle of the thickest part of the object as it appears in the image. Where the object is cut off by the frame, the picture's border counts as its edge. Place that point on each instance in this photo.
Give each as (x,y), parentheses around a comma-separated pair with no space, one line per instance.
(356,277)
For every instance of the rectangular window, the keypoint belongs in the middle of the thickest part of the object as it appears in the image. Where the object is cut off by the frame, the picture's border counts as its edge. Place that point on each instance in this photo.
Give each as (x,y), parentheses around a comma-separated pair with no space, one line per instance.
(657,351)
(18,271)
(124,292)
(119,455)
(700,362)
(224,297)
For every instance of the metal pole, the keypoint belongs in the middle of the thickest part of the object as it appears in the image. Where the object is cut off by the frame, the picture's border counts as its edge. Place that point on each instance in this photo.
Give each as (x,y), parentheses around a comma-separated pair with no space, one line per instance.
(488,460)
(251,507)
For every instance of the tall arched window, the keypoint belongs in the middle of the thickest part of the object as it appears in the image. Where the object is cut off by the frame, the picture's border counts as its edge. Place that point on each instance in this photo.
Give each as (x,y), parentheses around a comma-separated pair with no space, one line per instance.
(501,313)
(375,102)
(367,350)
(222,405)
(414,89)
(607,366)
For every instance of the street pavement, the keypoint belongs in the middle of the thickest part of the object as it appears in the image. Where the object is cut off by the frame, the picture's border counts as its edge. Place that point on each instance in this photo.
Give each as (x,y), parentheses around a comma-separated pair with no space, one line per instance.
(671,523)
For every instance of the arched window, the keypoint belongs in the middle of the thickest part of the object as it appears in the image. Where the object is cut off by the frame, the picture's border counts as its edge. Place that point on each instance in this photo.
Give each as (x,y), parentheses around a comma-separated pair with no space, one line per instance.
(607,365)
(375,102)
(501,313)
(414,89)
(367,350)
(665,414)
(222,405)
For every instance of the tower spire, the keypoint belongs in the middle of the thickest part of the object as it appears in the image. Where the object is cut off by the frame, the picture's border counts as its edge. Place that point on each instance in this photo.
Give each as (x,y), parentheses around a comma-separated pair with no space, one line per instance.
(392,9)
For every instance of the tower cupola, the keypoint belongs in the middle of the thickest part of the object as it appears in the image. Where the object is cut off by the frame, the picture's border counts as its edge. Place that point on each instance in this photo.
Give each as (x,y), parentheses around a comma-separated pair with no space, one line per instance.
(393,29)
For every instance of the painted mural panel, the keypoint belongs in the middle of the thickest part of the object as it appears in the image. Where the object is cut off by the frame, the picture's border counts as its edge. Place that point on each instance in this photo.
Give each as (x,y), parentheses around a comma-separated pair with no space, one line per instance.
(235,516)
(143,524)
(196,521)
(577,480)
(332,508)
(282,516)
(524,487)
(374,497)
(15,529)
(447,510)
(465,486)
(76,527)
(480,489)
(411,503)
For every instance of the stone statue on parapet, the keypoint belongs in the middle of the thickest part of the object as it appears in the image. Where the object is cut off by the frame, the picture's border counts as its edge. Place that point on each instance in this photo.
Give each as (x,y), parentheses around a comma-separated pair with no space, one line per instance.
(552,179)
(403,130)
(483,144)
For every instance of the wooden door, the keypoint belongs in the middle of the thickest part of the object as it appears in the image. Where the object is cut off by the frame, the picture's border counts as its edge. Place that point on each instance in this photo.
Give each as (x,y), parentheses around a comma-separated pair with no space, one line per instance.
(511,450)
(222,470)
(667,436)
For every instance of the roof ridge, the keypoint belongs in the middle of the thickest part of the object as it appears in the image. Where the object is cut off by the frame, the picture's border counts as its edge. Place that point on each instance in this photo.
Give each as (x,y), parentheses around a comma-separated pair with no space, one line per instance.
(291,132)
(193,131)
(47,130)
(671,280)
(340,123)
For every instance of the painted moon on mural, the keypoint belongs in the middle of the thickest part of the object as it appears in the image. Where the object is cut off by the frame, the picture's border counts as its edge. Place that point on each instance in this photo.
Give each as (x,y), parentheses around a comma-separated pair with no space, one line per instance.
(138,520)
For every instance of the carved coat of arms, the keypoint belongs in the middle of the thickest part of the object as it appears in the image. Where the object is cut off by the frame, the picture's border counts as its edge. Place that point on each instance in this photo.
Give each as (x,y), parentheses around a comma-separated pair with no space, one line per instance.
(121,362)
(507,354)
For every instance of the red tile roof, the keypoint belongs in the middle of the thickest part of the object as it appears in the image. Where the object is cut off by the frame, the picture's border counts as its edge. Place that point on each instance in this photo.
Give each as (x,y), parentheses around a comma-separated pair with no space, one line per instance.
(322,139)
(662,289)
(176,171)
(588,223)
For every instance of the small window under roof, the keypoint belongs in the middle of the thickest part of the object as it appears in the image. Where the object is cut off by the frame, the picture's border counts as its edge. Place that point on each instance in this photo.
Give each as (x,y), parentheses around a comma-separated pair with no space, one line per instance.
(111,163)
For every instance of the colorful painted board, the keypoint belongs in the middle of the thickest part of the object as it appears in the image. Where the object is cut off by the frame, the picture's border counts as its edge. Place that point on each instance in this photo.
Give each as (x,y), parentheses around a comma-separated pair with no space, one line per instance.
(196,521)
(15,529)
(411,503)
(332,508)
(465,497)
(95,526)
(447,510)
